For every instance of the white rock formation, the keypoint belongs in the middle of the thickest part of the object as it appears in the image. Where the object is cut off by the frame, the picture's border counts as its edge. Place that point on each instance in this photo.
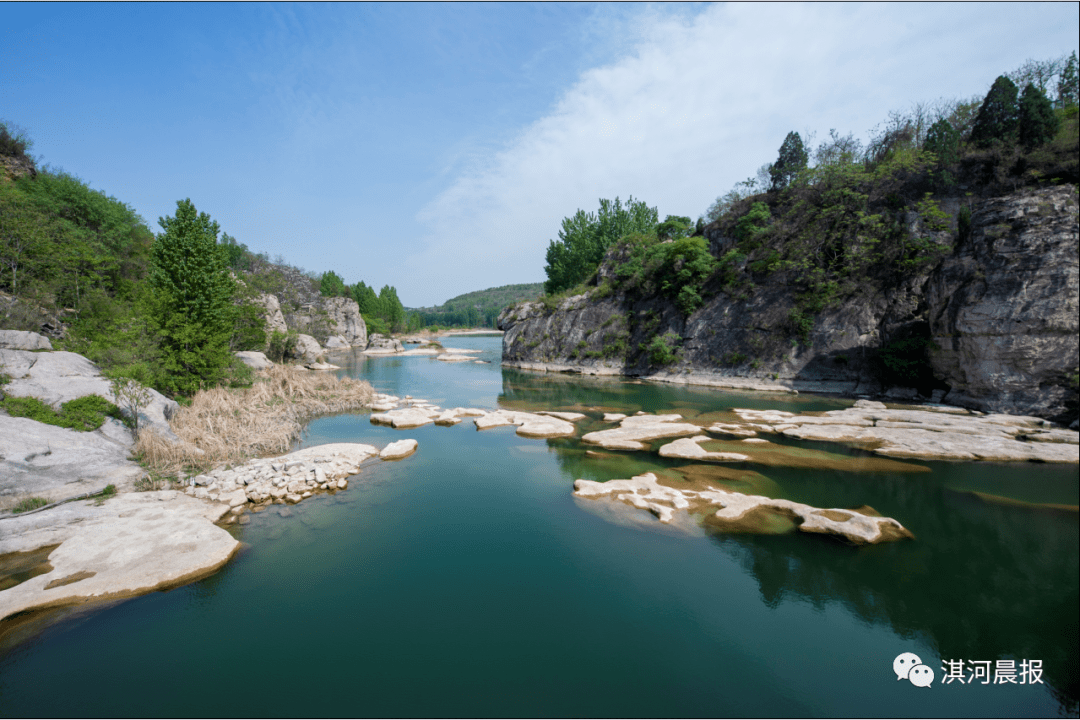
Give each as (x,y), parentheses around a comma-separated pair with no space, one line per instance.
(254,359)
(23,340)
(275,321)
(690,449)
(635,430)
(644,492)
(398,450)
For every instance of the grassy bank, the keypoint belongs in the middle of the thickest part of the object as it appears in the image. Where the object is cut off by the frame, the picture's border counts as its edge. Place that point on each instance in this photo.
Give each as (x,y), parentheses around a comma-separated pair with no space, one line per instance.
(231,425)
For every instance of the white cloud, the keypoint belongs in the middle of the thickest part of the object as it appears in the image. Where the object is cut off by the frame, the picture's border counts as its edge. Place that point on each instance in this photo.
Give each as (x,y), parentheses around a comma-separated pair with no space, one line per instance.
(699,104)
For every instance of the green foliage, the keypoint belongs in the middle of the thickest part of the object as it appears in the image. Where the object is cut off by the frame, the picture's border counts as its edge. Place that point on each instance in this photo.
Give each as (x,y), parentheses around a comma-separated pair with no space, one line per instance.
(240,374)
(281,346)
(133,396)
(1038,123)
(755,221)
(905,362)
(801,324)
(192,303)
(331,285)
(28,504)
(791,161)
(14,142)
(1069,83)
(674,227)
(677,269)
(585,237)
(660,349)
(998,115)
(83,414)
(944,141)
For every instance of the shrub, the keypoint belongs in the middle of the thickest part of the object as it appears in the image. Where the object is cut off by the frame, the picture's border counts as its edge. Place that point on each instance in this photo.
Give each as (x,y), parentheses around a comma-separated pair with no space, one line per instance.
(282,345)
(83,414)
(660,349)
(29,504)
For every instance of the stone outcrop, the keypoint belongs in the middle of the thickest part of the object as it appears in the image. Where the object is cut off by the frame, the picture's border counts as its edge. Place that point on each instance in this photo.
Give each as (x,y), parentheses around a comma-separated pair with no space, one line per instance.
(254,360)
(23,340)
(275,321)
(398,450)
(690,449)
(736,511)
(56,377)
(307,349)
(379,344)
(1004,308)
(345,321)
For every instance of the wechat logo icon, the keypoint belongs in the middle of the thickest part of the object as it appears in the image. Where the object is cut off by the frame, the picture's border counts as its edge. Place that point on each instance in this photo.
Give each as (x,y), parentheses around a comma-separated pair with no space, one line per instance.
(908,666)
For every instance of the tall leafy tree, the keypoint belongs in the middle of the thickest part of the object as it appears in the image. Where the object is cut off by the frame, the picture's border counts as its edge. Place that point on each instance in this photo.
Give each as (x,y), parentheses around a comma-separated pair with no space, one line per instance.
(366,298)
(1038,123)
(192,304)
(998,115)
(585,237)
(331,285)
(791,161)
(943,140)
(1068,83)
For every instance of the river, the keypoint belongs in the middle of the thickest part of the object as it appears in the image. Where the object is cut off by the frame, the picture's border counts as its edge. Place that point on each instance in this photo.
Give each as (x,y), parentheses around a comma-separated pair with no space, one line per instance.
(466,580)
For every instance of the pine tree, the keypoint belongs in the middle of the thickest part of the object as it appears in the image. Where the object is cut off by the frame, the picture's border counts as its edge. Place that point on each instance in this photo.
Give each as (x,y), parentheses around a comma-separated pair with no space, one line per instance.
(997,119)
(792,160)
(943,140)
(192,300)
(1038,122)
(1068,84)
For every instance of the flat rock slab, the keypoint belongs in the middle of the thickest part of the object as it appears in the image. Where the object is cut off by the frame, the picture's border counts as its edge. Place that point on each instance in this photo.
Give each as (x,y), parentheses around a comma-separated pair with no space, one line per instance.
(529,424)
(927,433)
(454,357)
(690,449)
(644,492)
(614,417)
(635,430)
(55,463)
(132,544)
(405,417)
(567,416)
(398,450)
(23,340)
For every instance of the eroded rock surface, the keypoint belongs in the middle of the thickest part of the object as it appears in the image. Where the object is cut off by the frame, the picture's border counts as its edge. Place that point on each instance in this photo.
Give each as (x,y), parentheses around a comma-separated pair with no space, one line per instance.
(633,432)
(690,449)
(57,377)
(345,320)
(927,433)
(398,450)
(23,340)
(128,545)
(254,359)
(646,493)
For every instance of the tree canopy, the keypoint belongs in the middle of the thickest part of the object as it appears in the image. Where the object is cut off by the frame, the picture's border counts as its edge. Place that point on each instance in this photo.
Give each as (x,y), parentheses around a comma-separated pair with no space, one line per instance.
(1037,121)
(792,159)
(998,115)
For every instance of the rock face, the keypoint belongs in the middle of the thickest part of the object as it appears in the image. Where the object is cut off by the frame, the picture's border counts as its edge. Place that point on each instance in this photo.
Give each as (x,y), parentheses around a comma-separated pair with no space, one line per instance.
(23,340)
(56,377)
(275,321)
(1004,309)
(343,316)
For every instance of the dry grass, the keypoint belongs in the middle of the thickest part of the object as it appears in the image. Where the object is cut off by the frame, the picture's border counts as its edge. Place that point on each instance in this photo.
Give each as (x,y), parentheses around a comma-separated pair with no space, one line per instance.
(223,426)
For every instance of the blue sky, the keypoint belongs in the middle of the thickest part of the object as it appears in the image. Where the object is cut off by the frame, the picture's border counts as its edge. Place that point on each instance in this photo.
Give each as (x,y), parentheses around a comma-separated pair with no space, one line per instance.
(436,147)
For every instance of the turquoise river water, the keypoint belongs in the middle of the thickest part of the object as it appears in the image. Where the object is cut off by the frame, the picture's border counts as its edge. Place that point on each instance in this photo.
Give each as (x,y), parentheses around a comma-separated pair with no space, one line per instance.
(466,580)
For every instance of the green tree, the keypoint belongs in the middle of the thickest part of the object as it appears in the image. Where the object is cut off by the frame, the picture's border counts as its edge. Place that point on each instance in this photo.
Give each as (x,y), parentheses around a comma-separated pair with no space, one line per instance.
(192,303)
(393,313)
(585,237)
(675,227)
(791,161)
(1068,83)
(331,285)
(943,140)
(1038,123)
(997,119)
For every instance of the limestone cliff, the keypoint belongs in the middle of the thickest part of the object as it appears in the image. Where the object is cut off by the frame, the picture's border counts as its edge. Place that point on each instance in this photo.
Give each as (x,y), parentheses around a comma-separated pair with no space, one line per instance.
(1001,308)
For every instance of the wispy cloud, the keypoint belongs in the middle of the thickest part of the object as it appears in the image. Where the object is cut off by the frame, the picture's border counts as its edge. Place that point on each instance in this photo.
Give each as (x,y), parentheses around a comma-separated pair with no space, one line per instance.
(695,104)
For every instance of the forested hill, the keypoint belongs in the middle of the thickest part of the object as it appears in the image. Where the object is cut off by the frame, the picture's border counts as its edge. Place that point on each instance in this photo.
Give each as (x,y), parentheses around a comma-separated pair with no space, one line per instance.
(480,308)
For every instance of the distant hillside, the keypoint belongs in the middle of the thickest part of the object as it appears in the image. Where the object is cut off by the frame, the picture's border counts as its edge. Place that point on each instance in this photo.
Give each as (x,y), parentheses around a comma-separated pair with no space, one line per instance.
(477,309)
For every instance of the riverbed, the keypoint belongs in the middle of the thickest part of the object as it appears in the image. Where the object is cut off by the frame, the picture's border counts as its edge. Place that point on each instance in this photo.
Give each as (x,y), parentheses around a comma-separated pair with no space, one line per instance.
(468,580)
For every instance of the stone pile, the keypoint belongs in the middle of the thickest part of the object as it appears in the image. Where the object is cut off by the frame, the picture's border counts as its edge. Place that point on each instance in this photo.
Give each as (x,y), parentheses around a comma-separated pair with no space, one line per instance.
(735,510)
(288,478)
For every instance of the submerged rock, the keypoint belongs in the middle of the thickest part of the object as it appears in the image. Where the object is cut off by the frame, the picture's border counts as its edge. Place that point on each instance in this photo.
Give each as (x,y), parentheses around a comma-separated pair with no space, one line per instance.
(733,509)
(690,449)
